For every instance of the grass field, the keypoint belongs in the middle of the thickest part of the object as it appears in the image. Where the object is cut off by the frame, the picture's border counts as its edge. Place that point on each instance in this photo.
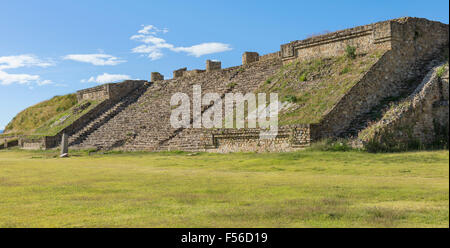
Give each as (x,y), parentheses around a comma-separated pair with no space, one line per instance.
(302,189)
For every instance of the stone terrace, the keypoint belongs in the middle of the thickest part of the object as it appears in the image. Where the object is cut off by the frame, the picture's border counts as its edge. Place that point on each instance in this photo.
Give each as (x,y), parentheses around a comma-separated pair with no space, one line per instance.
(139,116)
(145,123)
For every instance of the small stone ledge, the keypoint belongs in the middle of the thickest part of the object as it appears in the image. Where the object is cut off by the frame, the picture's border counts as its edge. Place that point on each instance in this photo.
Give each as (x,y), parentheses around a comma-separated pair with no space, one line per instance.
(288,138)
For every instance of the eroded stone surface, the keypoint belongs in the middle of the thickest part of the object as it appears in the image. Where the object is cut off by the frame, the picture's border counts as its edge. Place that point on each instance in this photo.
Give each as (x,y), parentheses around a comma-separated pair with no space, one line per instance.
(135,115)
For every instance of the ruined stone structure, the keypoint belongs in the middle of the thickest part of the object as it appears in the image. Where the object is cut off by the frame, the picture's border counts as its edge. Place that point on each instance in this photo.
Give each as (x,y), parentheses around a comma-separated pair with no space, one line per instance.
(250,57)
(8,141)
(414,43)
(134,115)
(183,72)
(179,73)
(421,118)
(213,65)
(156,76)
(192,72)
(384,35)
(289,138)
(109,91)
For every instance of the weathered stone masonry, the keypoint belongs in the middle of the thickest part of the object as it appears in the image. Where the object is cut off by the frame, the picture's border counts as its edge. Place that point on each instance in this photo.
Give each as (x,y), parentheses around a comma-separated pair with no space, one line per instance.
(156,76)
(412,44)
(108,95)
(250,57)
(109,91)
(364,38)
(139,117)
(289,138)
(421,118)
(213,65)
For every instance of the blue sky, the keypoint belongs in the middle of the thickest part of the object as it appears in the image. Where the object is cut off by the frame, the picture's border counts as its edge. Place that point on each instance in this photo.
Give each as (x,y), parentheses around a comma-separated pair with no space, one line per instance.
(50,48)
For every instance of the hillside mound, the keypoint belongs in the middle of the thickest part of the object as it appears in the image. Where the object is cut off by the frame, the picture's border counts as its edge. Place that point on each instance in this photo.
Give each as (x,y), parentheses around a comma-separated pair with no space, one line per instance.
(30,119)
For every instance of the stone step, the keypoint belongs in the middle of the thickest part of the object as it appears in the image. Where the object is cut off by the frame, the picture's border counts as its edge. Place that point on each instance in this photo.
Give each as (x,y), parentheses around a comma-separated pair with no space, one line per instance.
(151,110)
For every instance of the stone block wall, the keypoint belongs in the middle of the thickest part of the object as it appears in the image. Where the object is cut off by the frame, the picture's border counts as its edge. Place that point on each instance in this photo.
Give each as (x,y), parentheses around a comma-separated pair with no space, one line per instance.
(39,143)
(405,45)
(8,141)
(95,93)
(193,72)
(289,138)
(364,38)
(156,76)
(109,91)
(179,73)
(213,65)
(32,146)
(249,57)
(119,90)
(30,143)
(413,45)
(420,118)
(269,56)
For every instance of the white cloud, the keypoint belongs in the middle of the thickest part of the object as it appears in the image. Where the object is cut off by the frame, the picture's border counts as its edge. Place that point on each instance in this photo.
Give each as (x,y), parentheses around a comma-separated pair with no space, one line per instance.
(7,79)
(106,78)
(44,82)
(26,60)
(155,55)
(150,29)
(149,39)
(154,45)
(146,29)
(19,61)
(152,52)
(25,79)
(204,48)
(95,59)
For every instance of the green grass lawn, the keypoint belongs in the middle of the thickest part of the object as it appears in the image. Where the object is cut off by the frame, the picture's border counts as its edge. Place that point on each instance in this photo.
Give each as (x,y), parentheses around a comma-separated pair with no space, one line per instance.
(302,189)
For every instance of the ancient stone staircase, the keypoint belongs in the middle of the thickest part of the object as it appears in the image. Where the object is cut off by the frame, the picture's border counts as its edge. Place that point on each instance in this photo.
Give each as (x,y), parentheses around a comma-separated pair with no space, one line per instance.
(404,89)
(364,120)
(189,145)
(188,139)
(78,137)
(145,123)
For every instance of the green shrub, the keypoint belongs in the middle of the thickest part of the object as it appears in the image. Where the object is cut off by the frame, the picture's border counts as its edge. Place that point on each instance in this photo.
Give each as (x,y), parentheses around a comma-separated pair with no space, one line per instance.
(231,85)
(345,70)
(303,77)
(440,71)
(290,98)
(350,51)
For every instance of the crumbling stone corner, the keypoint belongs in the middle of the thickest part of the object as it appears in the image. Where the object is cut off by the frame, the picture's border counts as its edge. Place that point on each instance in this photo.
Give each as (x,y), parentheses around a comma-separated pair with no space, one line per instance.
(249,57)
(179,73)
(213,65)
(156,76)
